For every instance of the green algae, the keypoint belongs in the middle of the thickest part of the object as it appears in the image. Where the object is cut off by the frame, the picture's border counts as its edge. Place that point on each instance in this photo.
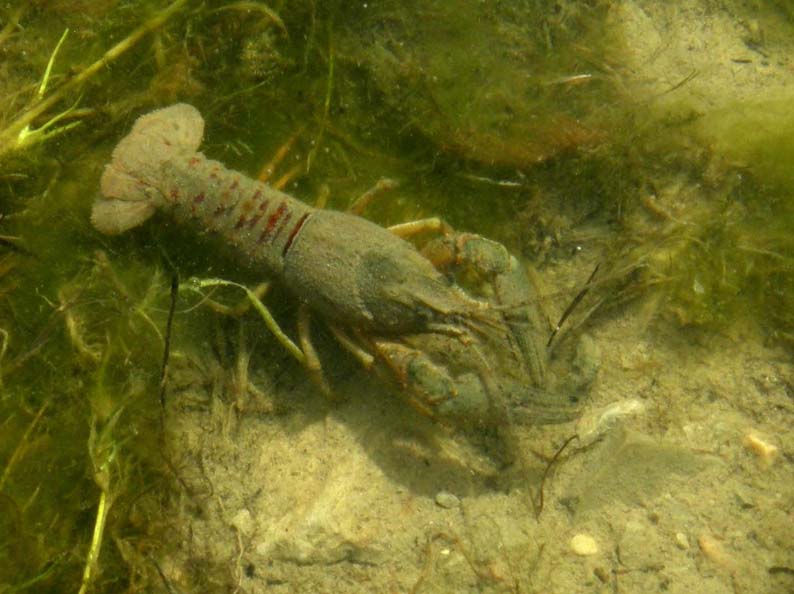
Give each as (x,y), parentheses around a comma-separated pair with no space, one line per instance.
(755,136)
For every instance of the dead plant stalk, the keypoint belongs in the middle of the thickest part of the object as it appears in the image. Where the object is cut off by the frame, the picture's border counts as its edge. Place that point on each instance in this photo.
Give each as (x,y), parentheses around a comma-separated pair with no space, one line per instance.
(10,135)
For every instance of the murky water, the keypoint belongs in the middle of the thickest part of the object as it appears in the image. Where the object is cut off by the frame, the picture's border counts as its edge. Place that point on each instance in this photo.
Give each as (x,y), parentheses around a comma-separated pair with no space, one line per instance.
(636,157)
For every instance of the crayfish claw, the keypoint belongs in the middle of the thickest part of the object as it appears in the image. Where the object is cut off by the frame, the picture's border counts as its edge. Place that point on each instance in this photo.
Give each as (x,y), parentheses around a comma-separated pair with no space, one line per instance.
(431,388)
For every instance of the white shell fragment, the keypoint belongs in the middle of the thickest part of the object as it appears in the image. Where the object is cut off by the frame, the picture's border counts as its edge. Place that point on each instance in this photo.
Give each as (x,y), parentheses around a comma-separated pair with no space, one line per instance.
(584,545)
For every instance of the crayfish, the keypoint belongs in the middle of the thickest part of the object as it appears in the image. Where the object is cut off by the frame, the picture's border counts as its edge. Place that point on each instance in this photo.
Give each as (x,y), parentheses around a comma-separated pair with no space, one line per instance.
(473,355)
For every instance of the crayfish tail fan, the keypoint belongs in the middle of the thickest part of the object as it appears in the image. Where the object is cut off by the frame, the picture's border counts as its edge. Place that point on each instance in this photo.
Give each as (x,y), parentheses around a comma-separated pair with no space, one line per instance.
(130,181)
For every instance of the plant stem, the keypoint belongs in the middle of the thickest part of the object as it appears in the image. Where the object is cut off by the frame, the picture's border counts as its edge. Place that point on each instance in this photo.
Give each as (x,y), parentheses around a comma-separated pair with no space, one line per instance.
(8,136)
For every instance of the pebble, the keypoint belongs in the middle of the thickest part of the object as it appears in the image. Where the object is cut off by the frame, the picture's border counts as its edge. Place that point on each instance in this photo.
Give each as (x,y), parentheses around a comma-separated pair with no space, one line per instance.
(447,500)
(681,541)
(584,545)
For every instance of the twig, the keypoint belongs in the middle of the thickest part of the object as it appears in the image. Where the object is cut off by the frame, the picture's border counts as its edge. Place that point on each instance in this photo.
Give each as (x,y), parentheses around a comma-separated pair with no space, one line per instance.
(572,305)
(680,83)
(547,470)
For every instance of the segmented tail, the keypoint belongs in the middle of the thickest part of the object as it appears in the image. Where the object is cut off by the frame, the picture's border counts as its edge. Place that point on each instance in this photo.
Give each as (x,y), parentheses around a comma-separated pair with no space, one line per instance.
(130,181)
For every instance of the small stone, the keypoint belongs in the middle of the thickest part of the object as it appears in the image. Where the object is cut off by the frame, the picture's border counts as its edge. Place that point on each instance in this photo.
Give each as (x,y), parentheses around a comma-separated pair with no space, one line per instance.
(681,541)
(584,545)
(447,500)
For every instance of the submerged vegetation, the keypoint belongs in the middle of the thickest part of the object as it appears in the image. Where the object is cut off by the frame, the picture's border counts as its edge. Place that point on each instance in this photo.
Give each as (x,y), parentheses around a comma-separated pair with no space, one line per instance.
(512,119)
